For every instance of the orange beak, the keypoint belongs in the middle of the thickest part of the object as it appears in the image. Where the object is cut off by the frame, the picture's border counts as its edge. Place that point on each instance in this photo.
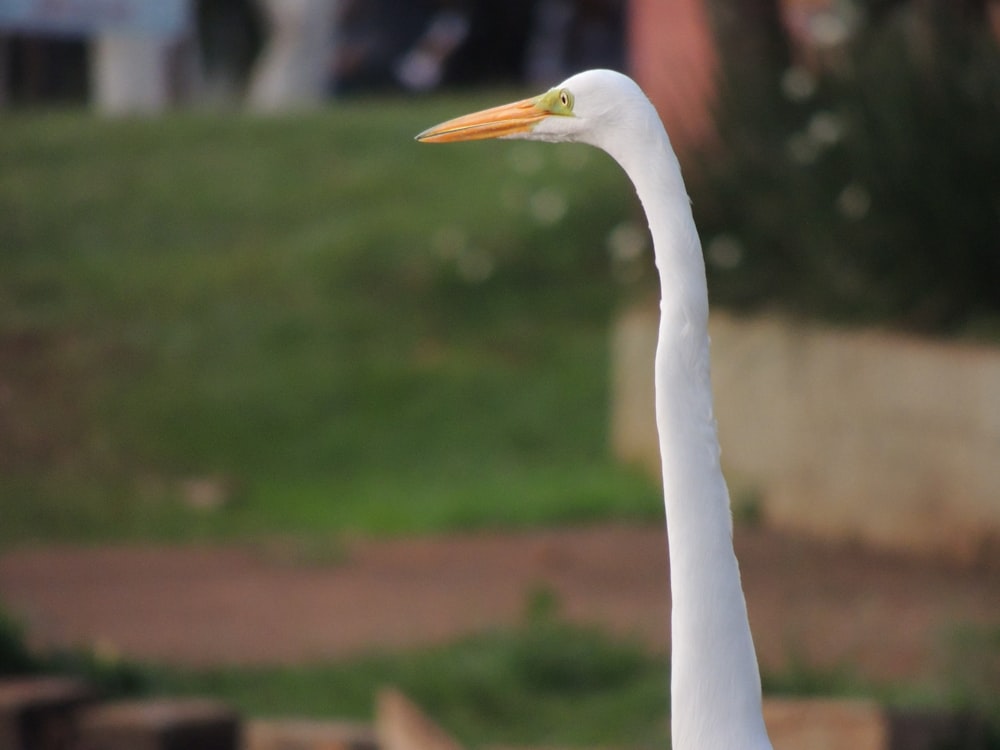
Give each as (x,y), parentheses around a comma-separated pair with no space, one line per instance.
(496,122)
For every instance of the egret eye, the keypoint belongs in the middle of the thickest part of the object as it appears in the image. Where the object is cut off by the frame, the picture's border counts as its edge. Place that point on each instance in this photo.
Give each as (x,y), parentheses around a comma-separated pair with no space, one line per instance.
(565,98)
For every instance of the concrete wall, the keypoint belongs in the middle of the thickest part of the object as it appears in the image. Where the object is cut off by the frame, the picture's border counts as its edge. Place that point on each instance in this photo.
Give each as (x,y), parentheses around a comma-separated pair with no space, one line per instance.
(872,436)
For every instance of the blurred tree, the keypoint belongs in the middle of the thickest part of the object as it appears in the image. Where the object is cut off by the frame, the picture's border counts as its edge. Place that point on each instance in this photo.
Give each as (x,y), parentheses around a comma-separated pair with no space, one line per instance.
(866,189)
(750,30)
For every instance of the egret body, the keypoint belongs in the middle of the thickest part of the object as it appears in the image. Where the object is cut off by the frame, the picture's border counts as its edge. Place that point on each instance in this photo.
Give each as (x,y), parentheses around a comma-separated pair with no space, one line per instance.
(715,683)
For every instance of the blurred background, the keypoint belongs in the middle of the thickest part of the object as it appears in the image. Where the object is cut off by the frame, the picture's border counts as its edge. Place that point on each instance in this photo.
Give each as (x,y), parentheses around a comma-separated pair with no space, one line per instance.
(287,399)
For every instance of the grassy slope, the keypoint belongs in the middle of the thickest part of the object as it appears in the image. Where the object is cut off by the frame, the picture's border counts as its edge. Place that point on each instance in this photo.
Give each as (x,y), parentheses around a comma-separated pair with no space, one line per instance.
(349,329)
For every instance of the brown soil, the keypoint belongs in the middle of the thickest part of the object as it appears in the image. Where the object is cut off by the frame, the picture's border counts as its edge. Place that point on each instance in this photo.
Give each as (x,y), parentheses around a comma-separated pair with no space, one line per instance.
(887,617)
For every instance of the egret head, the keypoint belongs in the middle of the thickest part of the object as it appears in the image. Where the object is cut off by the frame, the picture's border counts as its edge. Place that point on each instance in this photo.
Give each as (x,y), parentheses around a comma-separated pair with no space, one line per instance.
(584,108)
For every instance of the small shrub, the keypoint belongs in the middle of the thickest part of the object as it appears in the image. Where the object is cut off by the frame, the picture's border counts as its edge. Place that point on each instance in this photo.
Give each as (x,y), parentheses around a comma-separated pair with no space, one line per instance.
(111,675)
(560,658)
(15,657)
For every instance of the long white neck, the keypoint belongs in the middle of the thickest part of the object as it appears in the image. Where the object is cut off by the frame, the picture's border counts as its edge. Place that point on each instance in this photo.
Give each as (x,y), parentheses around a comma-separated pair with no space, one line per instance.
(715,683)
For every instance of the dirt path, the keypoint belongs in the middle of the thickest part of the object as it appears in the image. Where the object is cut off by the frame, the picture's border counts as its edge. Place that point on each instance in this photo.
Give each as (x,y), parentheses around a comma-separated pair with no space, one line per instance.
(888,616)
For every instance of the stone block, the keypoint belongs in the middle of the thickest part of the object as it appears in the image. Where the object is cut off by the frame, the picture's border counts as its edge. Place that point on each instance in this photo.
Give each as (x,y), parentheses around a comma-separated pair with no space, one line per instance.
(932,730)
(188,724)
(401,725)
(832,724)
(825,724)
(305,734)
(39,713)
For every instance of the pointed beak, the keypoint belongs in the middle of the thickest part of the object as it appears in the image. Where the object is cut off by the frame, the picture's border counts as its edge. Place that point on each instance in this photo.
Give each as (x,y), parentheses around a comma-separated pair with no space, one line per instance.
(497,122)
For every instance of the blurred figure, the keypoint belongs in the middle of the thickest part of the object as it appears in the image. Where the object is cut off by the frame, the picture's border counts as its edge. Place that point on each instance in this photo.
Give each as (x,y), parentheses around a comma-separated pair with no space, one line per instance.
(293,70)
(572,35)
(275,54)
(494,49)
(421,46)
(144,57)
(230,36)
(373,35)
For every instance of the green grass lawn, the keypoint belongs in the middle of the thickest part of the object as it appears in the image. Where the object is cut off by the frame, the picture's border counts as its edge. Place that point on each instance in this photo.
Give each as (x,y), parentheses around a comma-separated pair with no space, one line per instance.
(338,327)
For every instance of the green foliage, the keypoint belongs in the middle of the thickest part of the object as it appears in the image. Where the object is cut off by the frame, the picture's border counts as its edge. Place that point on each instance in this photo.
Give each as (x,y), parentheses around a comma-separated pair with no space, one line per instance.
(15,657)
(544,682)
(865,189)
(557,659)
(548,682)
(554,656)
(973,655)
(748,508)
(800,677)
(541,683)
(111,676)
(316,320)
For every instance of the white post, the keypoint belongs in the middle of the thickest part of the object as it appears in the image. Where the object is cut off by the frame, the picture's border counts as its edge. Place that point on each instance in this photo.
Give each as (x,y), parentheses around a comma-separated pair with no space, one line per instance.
(131,74)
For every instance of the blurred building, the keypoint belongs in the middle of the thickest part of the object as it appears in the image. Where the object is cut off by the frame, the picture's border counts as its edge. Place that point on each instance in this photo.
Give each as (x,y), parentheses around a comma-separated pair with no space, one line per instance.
(403,45)
(426,44)
(123,54)
(421,45)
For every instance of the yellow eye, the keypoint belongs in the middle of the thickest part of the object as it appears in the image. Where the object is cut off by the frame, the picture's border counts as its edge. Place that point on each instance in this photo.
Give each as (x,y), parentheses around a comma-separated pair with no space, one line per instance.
(557,102)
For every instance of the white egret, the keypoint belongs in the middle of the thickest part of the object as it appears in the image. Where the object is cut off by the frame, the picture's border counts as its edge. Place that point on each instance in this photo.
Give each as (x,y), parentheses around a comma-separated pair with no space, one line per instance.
(715,683)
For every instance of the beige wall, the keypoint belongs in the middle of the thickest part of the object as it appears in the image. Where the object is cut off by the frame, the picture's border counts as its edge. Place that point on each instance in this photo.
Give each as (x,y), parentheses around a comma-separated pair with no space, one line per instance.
(865,435)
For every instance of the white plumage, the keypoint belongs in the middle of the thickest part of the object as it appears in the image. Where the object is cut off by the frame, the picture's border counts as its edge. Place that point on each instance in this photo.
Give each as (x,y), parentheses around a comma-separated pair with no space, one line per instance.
(715,683)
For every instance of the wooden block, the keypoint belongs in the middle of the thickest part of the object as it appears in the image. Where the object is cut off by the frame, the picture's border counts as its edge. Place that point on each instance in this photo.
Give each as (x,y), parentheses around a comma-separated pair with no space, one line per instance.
(38,713)
(820,723)
(303,734)
(189,724)
(401,725)
(930,730)
(826,724)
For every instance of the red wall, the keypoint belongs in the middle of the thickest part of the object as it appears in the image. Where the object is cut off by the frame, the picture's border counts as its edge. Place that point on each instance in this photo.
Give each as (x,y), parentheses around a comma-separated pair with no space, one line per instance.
(672,56)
